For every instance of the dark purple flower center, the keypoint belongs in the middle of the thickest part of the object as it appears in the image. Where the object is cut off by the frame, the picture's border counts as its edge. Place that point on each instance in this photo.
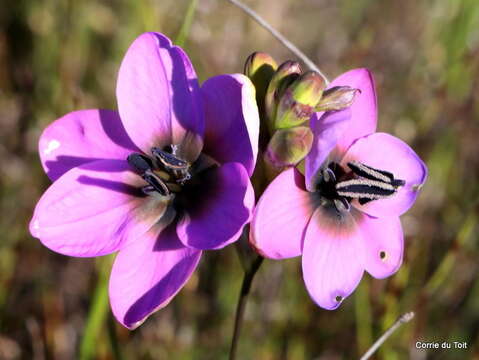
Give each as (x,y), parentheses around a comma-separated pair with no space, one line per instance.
(164,172)
(339,186)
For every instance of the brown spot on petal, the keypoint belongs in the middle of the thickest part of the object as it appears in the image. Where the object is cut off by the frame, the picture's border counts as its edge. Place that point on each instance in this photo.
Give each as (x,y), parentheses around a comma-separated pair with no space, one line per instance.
(338,298)
(382,255)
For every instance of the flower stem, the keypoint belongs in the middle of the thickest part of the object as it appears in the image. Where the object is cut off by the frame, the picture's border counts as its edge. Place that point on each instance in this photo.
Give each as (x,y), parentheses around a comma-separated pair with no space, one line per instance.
(402,320)
(186,26)
(243,298)
(114,342)
(288,44)
(97,313)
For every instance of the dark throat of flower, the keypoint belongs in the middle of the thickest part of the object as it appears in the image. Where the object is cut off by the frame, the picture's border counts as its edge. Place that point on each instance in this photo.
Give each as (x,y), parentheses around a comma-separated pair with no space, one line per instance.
(164,172)
(340,186)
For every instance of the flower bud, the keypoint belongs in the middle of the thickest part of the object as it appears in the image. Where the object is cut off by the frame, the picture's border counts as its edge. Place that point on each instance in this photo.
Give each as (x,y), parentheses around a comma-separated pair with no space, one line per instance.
(260,68)
(299,100)
(337,98)
(284,76)
(288,147)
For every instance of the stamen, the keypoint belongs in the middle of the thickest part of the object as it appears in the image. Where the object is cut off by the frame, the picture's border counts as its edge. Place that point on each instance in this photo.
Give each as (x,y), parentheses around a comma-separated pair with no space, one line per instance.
(370,173)
(364,188)
(169,161)
(398,183)
(140,163)
(162,174)
(342,205)
(328,175)
(148,190)
(156,182)
(185,178)
(363,201)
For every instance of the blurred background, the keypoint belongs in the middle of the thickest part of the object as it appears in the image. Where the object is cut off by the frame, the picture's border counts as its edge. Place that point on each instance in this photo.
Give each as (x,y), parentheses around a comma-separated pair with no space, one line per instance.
(59,56)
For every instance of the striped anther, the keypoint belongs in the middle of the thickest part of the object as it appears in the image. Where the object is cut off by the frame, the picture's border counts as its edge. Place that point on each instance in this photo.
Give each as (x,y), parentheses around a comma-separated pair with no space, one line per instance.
(169,161)
(139,162)
(156,182)
(328,175)
(365,189)
(370,173)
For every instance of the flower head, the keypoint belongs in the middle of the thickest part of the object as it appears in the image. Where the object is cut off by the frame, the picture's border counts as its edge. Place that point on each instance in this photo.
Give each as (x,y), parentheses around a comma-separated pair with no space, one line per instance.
(161,180)
(343,216)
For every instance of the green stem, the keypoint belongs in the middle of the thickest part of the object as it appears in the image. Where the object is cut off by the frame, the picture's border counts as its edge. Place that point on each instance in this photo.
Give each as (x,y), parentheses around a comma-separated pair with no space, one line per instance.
(97,313)
(243,298)
(115,344)
(185,27)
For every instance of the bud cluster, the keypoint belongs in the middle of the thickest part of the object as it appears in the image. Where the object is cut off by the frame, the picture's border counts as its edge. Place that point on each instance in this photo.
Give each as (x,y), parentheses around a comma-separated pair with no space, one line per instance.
(287,97)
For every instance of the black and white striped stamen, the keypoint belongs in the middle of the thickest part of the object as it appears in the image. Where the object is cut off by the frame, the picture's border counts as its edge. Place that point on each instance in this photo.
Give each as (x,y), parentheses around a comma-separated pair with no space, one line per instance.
(370,173)
(365,188)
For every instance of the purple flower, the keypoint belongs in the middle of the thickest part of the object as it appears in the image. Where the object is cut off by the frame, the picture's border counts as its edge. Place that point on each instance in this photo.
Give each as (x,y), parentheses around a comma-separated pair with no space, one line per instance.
(161,180)
(343,216)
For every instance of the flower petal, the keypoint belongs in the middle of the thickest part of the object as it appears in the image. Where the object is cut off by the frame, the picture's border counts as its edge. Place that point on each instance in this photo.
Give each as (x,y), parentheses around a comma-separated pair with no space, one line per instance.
(80,137)
(232,120)
(364,112)
(147,274)
(328,130)
(94,209)
(281,216)
(158,97)
(386,152)
(384,242)
(216,213)
(332,257)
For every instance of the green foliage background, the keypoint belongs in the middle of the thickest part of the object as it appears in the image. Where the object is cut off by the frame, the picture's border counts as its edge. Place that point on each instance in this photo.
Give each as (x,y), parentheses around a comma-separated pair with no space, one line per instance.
(60,55)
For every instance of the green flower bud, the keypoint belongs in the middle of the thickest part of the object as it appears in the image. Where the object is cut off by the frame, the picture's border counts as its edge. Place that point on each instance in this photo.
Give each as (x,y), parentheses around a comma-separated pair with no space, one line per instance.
(288,147)
(337,98)
(298,102)
(260,68)
(283,77)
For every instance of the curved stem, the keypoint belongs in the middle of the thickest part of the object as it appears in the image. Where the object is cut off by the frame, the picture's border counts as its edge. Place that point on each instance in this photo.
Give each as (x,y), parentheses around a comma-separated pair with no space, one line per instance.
(243,298)
(402,320)
(288,44)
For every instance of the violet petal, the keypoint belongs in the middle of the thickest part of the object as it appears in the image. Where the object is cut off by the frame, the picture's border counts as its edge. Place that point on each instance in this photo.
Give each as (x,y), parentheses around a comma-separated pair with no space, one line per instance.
(332,257)
(158,97)
(215,217)
(94,210)
(232,120)
(281,217)
(386,152)
(383,240)
(147,274)
(328,130)
(364,111)
(80,137)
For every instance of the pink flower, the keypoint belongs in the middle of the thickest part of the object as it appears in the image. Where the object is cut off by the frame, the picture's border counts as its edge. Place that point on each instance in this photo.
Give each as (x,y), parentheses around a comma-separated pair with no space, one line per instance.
(344,217)
(184,188)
